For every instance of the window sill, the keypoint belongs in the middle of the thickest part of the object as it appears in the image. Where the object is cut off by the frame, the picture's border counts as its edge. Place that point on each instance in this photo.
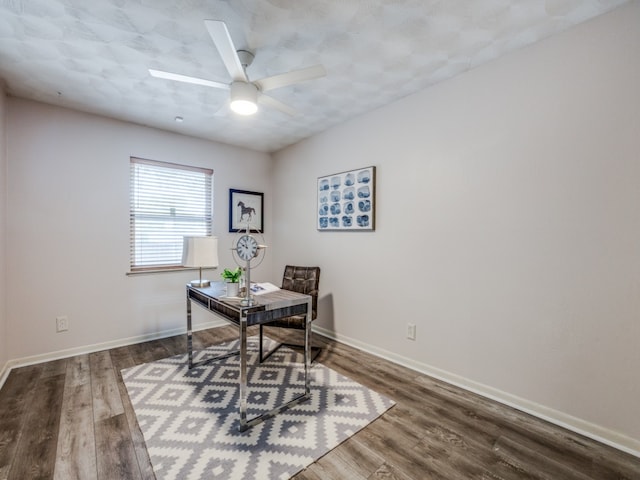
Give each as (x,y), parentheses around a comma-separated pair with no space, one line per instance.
(153,271)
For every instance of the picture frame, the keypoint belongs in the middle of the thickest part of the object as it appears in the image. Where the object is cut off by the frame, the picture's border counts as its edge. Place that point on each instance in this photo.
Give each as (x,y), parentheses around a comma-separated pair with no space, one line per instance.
(346,200)
(246,207)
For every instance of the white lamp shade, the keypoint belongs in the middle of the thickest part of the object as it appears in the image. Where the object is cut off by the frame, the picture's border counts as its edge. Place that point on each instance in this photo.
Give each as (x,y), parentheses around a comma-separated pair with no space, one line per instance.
(200,252)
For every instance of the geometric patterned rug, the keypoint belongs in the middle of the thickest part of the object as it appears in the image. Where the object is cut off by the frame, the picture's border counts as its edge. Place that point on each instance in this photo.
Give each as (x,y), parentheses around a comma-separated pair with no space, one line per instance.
(189,418)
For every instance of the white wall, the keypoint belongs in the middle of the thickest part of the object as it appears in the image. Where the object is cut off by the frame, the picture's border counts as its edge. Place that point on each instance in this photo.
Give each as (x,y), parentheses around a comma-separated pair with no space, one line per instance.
(507,228)
(3,216)
(68,227)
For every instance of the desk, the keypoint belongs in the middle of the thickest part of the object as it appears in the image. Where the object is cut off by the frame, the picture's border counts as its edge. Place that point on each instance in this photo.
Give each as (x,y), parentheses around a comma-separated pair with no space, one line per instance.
(266,308)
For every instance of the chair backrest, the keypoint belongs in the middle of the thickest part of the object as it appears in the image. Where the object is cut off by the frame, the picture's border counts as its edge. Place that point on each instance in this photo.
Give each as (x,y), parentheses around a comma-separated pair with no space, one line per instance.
(303,280)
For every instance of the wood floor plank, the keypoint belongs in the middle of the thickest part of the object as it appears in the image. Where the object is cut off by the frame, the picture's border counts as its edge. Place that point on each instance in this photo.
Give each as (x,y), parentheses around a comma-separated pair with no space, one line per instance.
(54,367)
(148,351)
(398,445)
(335,467)
(356,454)
(549,441)
(511,422)
(14,398)
(205,338)
(461,442)
(76,451)
(122,359)
(116,453)
(78,371)
(104,387)
(312,472)
(35,455)
(532,461)
(451,422)
(450,416)
(609,463)
(388,472)
(217,335)
(76,454)
(500,470)
(441,456)
(456,456)
(548,447)
(174,345)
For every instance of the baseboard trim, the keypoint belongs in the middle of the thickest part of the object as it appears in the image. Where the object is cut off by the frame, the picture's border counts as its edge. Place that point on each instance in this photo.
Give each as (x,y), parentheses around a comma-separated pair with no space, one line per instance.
(123,342)
(596,432)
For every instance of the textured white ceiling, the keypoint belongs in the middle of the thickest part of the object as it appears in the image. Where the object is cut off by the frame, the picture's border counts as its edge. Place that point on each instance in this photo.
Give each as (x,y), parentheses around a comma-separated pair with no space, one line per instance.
(93,55)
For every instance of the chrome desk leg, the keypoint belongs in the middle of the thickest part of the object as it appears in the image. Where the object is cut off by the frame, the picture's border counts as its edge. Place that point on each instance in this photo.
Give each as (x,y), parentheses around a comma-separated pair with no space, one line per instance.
(243,374)
(246,424)
(189,333)
(307,350)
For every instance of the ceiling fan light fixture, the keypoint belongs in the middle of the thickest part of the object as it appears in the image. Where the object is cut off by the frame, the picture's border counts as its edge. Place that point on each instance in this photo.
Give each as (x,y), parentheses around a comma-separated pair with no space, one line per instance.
(244,98)
(244,107)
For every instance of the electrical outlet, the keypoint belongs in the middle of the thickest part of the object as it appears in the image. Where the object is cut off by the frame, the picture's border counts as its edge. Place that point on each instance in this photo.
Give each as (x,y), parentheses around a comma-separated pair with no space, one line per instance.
(62,324)
(411,331)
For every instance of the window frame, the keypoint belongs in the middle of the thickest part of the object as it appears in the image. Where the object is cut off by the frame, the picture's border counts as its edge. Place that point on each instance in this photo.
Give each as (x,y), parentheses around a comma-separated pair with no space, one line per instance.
(133,233)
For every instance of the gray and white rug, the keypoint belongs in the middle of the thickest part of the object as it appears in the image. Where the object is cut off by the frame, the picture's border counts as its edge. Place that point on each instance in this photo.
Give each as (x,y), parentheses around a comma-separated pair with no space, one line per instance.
(189,418)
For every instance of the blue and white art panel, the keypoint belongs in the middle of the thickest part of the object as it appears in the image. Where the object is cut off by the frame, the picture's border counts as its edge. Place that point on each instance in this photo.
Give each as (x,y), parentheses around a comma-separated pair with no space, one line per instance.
(346,201)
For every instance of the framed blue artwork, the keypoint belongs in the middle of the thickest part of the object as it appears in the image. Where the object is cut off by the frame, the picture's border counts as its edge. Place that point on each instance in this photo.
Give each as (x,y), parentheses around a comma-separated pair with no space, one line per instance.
(346,200)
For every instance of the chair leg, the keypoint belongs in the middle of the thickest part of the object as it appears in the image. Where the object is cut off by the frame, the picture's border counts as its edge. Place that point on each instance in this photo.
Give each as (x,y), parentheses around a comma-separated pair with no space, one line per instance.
(262,359)
(262,356)
(315,351)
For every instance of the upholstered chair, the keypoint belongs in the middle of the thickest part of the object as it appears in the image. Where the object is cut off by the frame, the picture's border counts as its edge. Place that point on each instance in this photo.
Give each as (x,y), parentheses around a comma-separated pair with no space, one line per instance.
(302,280)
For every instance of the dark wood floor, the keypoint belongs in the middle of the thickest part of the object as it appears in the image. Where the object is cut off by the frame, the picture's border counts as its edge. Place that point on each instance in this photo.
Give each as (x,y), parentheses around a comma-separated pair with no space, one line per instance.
(72,419)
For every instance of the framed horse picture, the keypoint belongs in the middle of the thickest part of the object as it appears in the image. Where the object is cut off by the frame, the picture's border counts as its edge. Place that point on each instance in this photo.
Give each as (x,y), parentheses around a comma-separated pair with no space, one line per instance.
(246,209)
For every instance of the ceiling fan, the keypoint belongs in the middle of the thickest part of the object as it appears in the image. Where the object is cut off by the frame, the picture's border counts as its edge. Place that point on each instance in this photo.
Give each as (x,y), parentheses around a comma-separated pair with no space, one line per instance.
(244,94)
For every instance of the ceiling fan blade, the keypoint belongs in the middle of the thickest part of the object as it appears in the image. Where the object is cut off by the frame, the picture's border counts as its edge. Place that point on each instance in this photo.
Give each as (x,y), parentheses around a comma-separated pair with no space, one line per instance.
(277,104)
(224,44)
(289,78)
(184,78)
(223,111)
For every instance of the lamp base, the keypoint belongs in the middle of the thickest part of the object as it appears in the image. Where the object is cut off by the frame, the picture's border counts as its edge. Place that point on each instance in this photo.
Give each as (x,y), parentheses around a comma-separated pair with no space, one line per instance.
(200,283)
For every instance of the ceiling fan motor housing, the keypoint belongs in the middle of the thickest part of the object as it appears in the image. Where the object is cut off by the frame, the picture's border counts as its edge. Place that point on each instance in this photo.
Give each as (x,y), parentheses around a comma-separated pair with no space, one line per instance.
(245,57)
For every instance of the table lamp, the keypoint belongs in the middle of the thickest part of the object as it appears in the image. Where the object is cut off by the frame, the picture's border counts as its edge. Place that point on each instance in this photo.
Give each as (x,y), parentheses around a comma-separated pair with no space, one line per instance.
(200,252)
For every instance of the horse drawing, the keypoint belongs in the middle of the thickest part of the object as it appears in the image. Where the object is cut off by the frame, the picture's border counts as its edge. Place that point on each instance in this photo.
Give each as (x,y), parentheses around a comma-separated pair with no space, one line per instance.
(248,211)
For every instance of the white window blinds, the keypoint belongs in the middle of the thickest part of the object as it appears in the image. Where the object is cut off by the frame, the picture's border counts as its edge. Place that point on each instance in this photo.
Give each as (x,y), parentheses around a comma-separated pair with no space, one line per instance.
(168,201)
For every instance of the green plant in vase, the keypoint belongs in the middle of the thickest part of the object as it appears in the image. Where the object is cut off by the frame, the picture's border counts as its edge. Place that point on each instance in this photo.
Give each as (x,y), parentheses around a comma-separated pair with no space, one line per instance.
(232,277)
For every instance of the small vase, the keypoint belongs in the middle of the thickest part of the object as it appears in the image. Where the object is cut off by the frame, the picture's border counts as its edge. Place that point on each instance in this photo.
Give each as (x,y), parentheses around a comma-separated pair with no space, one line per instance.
(232,289)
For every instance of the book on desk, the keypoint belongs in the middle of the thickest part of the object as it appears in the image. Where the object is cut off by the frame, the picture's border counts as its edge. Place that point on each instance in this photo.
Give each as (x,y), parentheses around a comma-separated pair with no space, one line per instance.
(262,288)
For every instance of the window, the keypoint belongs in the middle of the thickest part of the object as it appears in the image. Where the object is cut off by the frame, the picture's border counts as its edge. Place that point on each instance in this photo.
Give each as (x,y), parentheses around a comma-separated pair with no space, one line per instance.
(168,201)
